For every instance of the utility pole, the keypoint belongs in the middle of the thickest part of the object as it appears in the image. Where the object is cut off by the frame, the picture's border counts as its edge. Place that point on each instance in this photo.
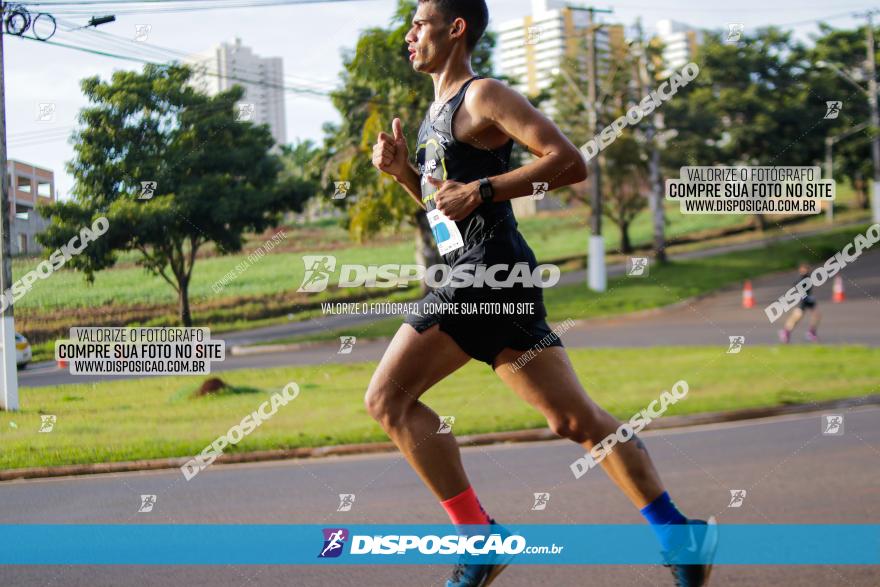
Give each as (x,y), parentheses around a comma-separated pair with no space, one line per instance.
(8,368)
(829,169)
(654,124)
(597,277)
(875,116)
(830,141)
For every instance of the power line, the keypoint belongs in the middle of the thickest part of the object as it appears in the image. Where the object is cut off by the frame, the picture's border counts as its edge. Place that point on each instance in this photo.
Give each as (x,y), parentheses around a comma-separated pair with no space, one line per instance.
(298,90)
(29,138)
(37,139)
(202,2)
(41,137)
(178,6)
(836,16)
(148,50)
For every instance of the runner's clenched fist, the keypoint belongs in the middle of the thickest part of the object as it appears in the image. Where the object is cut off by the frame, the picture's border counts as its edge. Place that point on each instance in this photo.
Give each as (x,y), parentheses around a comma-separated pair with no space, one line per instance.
(390,153)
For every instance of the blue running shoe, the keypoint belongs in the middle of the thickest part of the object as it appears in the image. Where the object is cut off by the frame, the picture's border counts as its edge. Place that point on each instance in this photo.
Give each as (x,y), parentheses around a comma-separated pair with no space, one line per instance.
(479,575)
(703,540)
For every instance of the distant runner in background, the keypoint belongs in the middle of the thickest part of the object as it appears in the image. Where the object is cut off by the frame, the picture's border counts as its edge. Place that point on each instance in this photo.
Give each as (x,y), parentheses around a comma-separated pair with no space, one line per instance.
(808,303)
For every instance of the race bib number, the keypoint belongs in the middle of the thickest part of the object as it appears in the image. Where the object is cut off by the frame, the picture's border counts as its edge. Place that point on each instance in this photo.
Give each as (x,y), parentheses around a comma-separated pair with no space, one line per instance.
(446,233)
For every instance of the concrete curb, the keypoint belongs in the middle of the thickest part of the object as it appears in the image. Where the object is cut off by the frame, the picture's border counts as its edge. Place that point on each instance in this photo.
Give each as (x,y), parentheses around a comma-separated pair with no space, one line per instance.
(533,435)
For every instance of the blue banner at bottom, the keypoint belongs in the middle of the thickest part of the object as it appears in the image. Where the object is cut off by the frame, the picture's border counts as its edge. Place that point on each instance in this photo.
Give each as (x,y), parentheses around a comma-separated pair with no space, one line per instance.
(249,544)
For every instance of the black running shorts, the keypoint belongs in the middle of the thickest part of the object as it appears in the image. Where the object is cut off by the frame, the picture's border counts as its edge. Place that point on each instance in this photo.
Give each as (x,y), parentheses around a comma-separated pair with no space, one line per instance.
(484,337)
(808,303)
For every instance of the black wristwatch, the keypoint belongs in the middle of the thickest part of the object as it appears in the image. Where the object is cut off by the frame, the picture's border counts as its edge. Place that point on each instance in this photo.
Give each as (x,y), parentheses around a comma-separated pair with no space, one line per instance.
(487,192)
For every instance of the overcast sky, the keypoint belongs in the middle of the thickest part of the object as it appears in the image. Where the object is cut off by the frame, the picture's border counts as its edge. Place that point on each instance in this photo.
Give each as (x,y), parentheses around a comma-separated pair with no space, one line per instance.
(309,38)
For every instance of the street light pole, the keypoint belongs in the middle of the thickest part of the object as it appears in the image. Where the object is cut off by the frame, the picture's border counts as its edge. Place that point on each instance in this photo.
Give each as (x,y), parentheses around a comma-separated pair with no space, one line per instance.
(829,159)
(829,169)
(874,120)
(8,369)
(875,116)
(597,278)
(658,215)
(596,272)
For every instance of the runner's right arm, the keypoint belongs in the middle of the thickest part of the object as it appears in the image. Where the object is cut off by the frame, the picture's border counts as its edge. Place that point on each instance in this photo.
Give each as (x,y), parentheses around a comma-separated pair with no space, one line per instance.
(391,156)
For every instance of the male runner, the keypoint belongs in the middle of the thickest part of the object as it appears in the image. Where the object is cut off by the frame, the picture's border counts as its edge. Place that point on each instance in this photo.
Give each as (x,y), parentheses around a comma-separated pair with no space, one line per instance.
(807,304)
(464,184)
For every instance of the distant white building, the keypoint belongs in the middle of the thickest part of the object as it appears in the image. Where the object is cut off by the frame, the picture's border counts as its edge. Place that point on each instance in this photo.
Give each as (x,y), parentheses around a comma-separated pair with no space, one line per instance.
(532,47)
(27,186)
(229,64)
(680,44)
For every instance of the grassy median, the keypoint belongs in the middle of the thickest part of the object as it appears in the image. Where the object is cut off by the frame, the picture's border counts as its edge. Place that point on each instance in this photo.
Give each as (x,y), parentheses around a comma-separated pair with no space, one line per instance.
(151,418)
(666,285)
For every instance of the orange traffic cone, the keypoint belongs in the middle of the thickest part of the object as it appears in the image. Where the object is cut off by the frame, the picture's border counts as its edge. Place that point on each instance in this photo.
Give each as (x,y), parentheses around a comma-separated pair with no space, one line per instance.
(62,364)
(748,295)
(839,295)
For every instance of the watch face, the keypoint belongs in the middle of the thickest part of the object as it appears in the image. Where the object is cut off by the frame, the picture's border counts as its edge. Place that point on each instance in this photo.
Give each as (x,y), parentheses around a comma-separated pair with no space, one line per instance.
(486,191)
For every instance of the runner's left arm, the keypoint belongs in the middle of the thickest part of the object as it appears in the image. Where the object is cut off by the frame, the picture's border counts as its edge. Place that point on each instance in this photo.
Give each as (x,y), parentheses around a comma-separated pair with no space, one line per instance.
(490,103)
(559,163)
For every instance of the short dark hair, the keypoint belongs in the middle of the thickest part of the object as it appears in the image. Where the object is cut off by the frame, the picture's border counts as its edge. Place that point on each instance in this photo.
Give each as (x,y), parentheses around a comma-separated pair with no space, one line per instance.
(474,12)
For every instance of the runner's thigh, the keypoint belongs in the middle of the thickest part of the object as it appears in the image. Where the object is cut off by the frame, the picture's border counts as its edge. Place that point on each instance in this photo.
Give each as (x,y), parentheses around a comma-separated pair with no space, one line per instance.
(414,362)
(547,382)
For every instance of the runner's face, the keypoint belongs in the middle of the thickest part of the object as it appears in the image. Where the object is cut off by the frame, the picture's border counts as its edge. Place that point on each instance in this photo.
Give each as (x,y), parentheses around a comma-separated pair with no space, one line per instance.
(428,40)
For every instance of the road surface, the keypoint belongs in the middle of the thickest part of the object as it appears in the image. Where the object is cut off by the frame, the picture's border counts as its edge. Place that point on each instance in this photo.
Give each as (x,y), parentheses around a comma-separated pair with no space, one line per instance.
(792,474)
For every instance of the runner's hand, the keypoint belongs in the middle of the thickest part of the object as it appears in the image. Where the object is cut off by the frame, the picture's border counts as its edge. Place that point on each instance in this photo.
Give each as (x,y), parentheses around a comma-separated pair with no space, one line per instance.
(456,200)
(390,153)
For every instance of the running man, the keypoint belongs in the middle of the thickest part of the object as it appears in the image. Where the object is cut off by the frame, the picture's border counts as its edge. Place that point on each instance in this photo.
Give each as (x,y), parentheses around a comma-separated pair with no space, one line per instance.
(807,303)
(465,185)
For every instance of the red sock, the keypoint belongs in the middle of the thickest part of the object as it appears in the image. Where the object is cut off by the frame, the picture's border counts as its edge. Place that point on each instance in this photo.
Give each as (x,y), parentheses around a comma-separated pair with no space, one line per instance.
(465,508)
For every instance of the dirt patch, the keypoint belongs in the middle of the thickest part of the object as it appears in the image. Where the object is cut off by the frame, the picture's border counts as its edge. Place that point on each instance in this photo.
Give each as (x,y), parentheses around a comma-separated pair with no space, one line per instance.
(211,386)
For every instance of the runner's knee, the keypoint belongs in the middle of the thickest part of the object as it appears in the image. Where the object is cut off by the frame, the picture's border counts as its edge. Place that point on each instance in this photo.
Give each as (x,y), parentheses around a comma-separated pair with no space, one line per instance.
(572,426)
(385,403)
(589,423)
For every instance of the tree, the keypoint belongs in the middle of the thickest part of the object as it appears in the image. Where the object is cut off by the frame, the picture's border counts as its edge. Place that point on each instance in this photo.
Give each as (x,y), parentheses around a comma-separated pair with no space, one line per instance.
(845,49)
(213,177)
(624,162)
(748,106)
(378,85)
(303,162)
(572,116)
(625,178)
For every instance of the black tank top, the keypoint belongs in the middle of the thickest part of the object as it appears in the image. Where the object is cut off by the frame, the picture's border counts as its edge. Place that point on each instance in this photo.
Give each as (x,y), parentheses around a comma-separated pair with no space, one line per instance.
(489,234)
(443,157)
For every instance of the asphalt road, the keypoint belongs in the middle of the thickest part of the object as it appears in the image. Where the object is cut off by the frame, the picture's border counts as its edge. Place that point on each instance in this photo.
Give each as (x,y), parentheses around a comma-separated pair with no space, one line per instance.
(791,472)
(708,321)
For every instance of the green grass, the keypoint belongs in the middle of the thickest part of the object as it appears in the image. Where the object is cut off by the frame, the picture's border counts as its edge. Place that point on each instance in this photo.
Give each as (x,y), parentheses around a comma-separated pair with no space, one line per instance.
(559,236)
(276,272)
(684,279)
(664,286)
(266,293)
(550,236)
(151,418)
